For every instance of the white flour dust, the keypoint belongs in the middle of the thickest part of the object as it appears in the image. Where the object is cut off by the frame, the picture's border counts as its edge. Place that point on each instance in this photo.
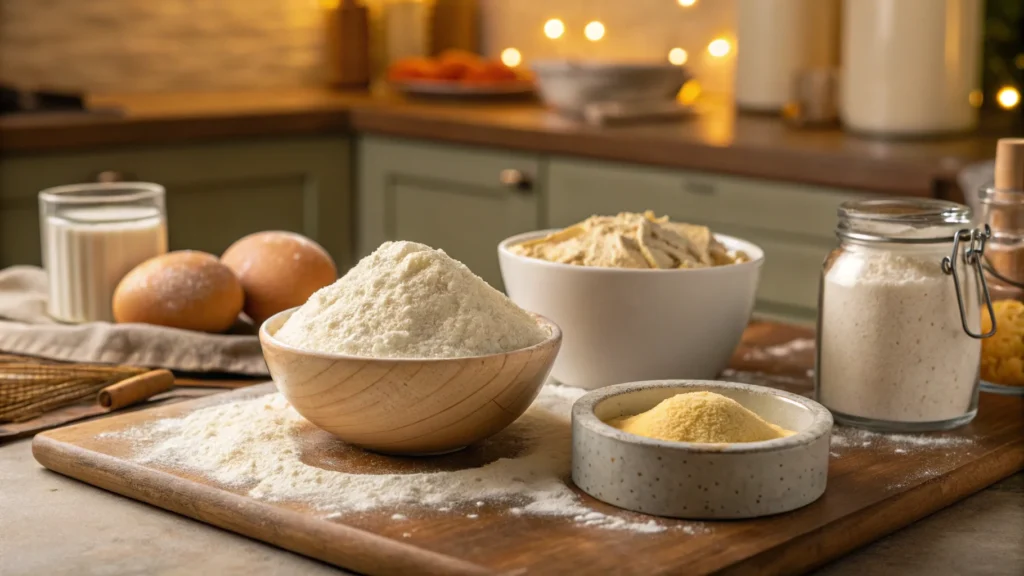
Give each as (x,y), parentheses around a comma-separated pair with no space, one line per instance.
(845,437)
(763,378)
(256,445)
(780,350)
(943,447)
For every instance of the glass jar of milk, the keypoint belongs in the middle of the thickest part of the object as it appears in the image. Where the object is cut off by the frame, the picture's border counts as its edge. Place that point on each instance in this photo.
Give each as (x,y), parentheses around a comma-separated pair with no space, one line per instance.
(92,235)
(899,316)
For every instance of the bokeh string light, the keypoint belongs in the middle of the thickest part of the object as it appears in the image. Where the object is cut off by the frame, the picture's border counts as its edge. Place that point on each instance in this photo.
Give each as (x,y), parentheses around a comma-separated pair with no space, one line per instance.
(594,31)
(719,47)
(511,57)
(1008,97)
(554,28)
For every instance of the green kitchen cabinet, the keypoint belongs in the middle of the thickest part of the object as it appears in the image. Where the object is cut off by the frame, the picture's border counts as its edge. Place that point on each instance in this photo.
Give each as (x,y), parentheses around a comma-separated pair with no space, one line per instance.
(216,192)
(460,199)
(794,224)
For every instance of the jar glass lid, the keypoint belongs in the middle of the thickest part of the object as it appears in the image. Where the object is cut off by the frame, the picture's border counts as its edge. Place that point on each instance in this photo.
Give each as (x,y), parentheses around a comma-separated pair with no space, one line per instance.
(906,219)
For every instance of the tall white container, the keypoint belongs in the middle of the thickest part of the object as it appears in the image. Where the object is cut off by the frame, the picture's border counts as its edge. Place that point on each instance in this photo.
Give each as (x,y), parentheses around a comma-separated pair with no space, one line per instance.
(909,66)
(775,40)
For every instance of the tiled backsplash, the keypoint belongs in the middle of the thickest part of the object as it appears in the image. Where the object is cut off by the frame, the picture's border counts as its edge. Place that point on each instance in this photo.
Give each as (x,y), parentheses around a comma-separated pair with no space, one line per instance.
(180,45)
(150,45)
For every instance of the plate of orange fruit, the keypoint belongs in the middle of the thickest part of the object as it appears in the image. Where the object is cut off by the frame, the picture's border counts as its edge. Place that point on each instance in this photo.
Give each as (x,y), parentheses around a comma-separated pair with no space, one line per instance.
(457,73)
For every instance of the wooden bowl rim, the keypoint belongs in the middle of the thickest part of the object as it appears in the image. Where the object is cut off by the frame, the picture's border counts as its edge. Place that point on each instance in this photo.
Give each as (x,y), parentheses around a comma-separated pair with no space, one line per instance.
(267,339)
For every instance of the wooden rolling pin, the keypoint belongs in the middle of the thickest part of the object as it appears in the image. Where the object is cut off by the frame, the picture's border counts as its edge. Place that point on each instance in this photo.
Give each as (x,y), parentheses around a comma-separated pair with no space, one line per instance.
(135,389)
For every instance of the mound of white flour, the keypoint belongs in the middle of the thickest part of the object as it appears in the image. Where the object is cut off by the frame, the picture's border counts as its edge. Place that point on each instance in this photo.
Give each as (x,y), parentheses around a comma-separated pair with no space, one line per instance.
(256,445)
(407,300)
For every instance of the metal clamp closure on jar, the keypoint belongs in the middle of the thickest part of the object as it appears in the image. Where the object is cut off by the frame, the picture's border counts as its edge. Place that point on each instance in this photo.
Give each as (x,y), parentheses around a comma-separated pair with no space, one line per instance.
(973,256)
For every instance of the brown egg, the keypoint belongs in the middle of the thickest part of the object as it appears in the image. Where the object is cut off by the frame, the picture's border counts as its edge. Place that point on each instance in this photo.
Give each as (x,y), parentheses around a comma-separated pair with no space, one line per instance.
(185,289)
(278,271)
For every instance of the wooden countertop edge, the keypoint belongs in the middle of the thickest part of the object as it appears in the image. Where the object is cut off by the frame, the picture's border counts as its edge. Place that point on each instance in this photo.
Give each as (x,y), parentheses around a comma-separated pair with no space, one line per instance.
(115,131)
(353,114)
(783,164)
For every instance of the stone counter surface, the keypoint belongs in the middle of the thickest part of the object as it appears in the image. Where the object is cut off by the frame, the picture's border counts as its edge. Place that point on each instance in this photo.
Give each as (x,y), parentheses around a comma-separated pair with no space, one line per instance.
(715,139)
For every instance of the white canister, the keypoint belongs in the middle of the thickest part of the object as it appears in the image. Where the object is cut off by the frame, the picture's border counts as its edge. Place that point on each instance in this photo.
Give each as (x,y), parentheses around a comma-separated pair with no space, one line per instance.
(775,40)
(909,66)
(92,235)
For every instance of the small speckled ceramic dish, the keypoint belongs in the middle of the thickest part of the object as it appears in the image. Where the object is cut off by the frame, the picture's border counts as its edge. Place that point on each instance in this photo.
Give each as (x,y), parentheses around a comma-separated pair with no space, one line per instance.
(700,481)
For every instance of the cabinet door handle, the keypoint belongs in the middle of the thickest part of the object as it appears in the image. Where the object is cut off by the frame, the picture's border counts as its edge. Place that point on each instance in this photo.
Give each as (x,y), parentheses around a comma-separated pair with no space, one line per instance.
(516,180)
(111,176)
(697,187)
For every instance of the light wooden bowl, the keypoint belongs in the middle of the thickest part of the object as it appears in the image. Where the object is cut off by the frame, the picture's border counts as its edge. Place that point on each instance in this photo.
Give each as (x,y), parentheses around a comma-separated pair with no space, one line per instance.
(409,406)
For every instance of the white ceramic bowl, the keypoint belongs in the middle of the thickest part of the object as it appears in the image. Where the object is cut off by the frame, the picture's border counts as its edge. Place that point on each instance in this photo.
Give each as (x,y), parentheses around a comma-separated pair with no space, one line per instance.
(700,481)
(627,325)
(569,86)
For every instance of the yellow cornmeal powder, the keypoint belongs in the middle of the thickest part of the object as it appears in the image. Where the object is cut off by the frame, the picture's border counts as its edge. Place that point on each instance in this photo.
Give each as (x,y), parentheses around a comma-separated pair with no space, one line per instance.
(700,417)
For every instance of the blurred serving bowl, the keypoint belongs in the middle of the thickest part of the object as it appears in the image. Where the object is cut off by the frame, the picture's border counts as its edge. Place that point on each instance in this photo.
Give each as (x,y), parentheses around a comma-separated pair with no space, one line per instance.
(624,325)
(408,406)
(570,86)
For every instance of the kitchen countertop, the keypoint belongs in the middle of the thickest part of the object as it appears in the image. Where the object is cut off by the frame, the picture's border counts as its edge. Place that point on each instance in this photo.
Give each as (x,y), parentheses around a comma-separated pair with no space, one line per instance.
(716,139)
(66,527)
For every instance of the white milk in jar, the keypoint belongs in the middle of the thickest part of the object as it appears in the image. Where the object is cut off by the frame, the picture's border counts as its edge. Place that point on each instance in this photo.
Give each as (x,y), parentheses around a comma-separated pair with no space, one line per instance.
(92,235)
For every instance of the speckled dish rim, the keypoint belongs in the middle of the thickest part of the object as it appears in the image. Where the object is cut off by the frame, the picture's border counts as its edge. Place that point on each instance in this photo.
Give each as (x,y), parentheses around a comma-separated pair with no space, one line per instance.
(583,412)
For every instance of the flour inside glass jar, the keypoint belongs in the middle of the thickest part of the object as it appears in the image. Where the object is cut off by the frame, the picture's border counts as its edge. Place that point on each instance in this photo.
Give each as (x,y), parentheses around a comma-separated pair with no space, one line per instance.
(893,347)
(894,351)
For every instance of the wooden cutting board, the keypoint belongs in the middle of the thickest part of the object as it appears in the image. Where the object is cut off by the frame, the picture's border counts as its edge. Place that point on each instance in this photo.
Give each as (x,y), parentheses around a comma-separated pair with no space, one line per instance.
(874,487)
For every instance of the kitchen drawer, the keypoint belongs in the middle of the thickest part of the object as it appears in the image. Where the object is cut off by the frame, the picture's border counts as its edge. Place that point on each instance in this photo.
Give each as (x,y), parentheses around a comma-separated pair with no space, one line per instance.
(216,192)
(580,188)
(448,197)
(470,166)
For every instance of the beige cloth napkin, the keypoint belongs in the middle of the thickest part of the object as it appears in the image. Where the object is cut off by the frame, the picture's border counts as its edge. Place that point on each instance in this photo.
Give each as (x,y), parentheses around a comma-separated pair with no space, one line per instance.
(26,328)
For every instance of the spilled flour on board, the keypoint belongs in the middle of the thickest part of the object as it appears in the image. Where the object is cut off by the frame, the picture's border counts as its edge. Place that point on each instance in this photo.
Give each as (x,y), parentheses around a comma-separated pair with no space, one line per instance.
(794,346)
(765,379)
(943,450)
(845,437)
(256,445)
